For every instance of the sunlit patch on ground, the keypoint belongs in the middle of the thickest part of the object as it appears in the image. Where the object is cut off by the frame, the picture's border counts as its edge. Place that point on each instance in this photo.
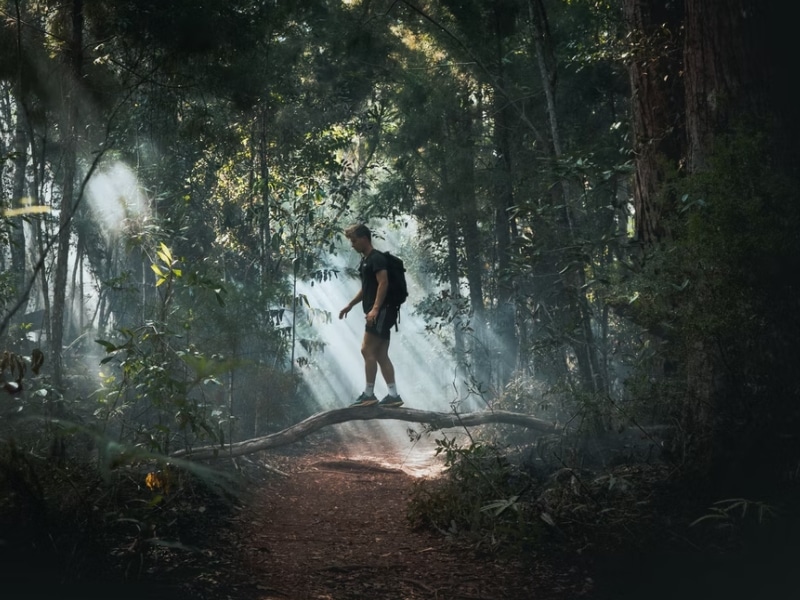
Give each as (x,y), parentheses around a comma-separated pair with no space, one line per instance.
(388,443)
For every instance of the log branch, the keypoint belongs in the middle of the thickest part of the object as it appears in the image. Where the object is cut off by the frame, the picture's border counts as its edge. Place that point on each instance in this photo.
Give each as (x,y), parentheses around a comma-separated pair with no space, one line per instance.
(437,420)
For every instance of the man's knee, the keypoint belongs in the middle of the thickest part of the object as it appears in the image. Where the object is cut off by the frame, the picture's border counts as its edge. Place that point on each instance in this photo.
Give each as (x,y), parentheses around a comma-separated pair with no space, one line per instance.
(370,351)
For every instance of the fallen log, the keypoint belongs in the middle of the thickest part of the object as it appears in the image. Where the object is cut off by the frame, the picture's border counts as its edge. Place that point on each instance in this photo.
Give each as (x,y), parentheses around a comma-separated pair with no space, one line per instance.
(438,420)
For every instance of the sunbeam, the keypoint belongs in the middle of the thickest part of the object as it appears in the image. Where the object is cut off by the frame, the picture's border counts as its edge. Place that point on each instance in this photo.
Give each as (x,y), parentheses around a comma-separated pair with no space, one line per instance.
(425,372)
(116,199)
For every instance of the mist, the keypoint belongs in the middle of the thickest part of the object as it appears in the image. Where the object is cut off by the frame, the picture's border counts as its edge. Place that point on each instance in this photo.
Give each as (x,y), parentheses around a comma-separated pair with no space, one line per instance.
(426,373)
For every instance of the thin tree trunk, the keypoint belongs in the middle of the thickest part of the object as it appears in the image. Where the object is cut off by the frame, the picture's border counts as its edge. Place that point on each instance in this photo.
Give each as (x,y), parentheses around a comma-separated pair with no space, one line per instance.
(17,232)
(265,218)
(455,296)
(71,82)
(452,201)
(473,255)
(40,164)
(572,286)
(505,314)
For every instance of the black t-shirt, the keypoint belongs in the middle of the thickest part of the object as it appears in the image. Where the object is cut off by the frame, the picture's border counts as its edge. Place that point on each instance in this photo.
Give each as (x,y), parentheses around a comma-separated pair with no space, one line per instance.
(374,262)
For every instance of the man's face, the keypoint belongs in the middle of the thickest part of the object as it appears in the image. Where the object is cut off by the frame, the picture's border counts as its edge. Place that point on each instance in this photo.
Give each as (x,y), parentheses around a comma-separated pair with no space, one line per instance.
(358,243)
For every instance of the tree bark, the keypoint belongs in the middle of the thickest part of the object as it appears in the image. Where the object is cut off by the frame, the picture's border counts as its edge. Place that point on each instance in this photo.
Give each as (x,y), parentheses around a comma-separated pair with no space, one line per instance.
(657,109)
(722,71)
(465,204)
(728,78)
(727,75)
(71,82)
(17,233)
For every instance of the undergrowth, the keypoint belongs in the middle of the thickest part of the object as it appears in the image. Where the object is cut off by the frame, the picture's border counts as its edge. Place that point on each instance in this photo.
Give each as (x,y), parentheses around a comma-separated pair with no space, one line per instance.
(109,516)
(603,516)
(482,498)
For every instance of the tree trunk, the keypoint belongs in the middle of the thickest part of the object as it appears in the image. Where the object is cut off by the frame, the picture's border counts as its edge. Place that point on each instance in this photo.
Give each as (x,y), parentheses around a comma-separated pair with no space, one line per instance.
(17,233)
(5,115)
(462,158)
(732,73)
(264,221)
(657,107)
(507,344)
(71,81)
(571,287)
(721,75)
(728,72)
(342,415)
(454,280)
(465,206)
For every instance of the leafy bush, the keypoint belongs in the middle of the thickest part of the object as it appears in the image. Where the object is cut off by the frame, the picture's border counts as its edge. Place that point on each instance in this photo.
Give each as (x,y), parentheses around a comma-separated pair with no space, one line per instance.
(480,499)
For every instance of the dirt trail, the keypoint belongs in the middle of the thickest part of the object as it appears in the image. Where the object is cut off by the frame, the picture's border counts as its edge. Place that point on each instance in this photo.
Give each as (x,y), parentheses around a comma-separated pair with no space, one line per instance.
(336,529)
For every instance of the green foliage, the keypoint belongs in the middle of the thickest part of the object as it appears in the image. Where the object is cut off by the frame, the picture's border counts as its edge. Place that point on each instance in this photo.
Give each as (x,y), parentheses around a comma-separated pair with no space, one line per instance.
(152,395)
(480,499)
(150,400)
(733,511)
(747,526)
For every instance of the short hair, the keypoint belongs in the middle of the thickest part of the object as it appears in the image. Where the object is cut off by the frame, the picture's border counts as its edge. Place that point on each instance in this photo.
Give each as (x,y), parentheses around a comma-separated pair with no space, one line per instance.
(358,230)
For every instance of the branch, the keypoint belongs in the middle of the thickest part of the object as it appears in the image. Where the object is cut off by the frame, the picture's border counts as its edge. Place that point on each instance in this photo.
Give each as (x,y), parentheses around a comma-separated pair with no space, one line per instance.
(493,79)
(315,422)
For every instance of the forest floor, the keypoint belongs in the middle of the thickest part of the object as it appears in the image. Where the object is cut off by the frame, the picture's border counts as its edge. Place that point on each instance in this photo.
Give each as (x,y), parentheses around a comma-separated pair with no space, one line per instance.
(327,518)
(336,528)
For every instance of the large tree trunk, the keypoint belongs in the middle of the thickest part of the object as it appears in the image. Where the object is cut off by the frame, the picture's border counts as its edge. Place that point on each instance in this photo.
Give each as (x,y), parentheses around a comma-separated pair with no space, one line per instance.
(729,79)
(657,109)
(732,74)
(722,71)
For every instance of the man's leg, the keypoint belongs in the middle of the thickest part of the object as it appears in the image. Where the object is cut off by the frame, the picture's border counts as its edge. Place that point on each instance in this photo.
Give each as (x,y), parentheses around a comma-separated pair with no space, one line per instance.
(369,352)
(384,362)
(387,370)
(376,354)
(387,317)
(375,351)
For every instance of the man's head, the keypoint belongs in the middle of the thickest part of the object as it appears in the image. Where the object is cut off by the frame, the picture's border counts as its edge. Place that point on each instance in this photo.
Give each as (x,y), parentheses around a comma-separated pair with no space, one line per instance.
(360,238)
(358,230)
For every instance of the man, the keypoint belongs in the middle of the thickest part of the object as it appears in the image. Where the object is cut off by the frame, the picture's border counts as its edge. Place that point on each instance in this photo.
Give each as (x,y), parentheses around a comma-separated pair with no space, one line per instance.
(379,318)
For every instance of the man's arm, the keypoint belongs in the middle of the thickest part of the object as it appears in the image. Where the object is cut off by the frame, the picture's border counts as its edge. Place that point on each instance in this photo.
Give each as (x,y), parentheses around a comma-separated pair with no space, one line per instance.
(351,304)
(383,287)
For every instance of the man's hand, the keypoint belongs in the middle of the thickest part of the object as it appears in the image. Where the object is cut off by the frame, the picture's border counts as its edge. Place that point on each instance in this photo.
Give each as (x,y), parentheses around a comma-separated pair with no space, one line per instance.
(372,316)
(344,311)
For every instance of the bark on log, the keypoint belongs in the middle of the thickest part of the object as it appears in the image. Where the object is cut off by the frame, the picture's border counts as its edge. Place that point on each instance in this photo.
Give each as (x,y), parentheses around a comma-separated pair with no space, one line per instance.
(315,422)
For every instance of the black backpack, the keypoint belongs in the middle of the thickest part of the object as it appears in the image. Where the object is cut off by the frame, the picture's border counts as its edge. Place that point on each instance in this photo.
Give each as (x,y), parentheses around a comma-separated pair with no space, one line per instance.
(398,288)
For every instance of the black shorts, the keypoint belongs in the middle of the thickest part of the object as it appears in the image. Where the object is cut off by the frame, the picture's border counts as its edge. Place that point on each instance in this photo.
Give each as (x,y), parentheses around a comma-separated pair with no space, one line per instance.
(387,317)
